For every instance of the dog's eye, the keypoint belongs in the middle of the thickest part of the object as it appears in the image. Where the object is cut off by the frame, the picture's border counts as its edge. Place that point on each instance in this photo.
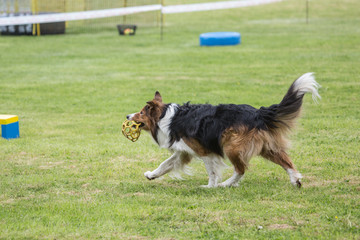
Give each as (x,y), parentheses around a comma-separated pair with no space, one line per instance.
(141,113)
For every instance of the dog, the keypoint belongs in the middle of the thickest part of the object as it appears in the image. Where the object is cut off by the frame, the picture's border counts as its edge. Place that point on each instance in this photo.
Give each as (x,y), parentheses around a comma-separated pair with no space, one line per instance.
(236,132)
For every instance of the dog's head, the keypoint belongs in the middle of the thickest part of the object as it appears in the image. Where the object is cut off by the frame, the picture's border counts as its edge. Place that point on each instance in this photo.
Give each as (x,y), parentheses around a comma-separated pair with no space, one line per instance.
(150,114)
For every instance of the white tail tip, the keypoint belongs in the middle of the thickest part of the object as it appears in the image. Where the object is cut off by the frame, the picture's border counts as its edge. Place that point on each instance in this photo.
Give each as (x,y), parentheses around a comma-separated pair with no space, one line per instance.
(306,83)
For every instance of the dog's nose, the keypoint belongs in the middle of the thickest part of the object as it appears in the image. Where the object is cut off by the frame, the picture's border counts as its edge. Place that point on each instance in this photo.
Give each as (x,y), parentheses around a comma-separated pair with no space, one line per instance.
(130,116)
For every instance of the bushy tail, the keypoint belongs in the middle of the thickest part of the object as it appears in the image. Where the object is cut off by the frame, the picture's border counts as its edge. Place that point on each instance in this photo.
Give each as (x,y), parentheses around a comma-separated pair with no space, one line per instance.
(284,114)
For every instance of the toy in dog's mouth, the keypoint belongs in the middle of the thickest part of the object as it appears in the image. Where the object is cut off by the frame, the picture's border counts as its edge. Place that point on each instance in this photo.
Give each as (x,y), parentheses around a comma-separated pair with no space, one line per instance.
(132,130)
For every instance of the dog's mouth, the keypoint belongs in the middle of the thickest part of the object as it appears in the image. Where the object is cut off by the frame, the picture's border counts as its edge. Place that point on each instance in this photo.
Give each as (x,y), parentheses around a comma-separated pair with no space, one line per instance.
(141,124)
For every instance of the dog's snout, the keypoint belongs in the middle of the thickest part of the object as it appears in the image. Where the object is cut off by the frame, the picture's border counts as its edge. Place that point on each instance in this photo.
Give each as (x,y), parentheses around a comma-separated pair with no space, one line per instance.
(130,116)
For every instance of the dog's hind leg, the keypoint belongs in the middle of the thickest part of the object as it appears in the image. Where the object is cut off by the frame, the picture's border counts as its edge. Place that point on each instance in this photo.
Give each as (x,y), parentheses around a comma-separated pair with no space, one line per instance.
(174,162)
(240,148)
(284,160)
(214,166)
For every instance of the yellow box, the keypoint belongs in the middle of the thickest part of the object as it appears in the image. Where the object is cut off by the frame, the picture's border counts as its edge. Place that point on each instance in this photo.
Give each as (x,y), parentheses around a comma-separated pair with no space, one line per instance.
(7,119)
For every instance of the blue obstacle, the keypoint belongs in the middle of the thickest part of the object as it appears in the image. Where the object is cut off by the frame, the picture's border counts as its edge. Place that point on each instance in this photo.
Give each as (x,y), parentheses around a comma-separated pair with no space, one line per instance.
(9,126)
(220,38)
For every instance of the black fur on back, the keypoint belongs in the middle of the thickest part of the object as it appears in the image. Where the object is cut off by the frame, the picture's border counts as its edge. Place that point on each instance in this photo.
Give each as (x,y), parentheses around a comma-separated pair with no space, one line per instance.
(206,123)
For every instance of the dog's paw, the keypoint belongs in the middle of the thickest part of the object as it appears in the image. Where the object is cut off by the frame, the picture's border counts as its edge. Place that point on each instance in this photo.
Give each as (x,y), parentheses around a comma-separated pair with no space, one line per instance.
(149,175)
(295,178)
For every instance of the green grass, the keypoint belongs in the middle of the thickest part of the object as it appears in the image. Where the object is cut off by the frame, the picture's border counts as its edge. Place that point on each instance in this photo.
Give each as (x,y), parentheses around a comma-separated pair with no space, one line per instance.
(72,175)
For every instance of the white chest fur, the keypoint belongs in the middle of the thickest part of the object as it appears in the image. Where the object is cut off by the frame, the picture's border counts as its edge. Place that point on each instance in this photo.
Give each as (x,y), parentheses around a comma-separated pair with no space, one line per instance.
(163,134)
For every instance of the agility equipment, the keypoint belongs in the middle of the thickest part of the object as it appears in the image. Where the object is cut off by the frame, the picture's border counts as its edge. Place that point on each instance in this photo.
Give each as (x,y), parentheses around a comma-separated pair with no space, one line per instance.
(131,130)
(39,17)
(220,38)
(127,29)
(16,12)
(9,126)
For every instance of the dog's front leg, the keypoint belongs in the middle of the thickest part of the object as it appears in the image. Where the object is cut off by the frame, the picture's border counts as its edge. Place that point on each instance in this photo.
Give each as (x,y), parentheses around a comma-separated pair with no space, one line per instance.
(214,166)
(164,167)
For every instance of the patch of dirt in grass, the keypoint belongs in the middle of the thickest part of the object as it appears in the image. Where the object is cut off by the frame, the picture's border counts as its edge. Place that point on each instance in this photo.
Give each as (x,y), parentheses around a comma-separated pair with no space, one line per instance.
(348,196)
(15,200)
(246,222)
(24,159)
(312,181)
(353,180)
(83,193)
(7,201)
(137,238)
(280,226)
(51,165)
(121,159)
(72,193)
(119,235)
(137,194)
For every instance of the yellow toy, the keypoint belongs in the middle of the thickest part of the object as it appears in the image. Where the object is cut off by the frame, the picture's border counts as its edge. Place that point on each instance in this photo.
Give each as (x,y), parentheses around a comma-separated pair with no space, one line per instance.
(131,130)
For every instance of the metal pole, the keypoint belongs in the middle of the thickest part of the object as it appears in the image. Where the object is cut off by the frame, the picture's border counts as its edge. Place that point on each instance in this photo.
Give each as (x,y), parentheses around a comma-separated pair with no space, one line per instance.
(65,10)
(37,25)
(33,9)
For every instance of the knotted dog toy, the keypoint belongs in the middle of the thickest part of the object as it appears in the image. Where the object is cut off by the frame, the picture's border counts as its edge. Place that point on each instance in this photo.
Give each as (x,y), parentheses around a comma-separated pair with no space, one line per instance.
(131,130)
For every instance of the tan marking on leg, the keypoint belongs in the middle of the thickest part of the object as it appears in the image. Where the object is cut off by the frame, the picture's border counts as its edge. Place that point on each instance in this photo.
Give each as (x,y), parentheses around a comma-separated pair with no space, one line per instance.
(281,158)
(239,145)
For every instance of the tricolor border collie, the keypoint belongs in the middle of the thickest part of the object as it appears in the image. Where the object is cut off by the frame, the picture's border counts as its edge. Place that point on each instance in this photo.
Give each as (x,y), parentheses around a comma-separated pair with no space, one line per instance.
(238,132)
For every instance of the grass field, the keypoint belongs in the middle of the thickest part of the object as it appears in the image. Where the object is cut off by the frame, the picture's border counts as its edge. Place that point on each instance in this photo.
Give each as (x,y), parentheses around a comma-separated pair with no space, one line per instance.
(72,175)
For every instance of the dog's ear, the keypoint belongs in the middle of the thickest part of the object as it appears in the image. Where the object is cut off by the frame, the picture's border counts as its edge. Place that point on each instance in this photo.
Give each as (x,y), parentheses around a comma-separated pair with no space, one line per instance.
(151,103)
(158,97)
